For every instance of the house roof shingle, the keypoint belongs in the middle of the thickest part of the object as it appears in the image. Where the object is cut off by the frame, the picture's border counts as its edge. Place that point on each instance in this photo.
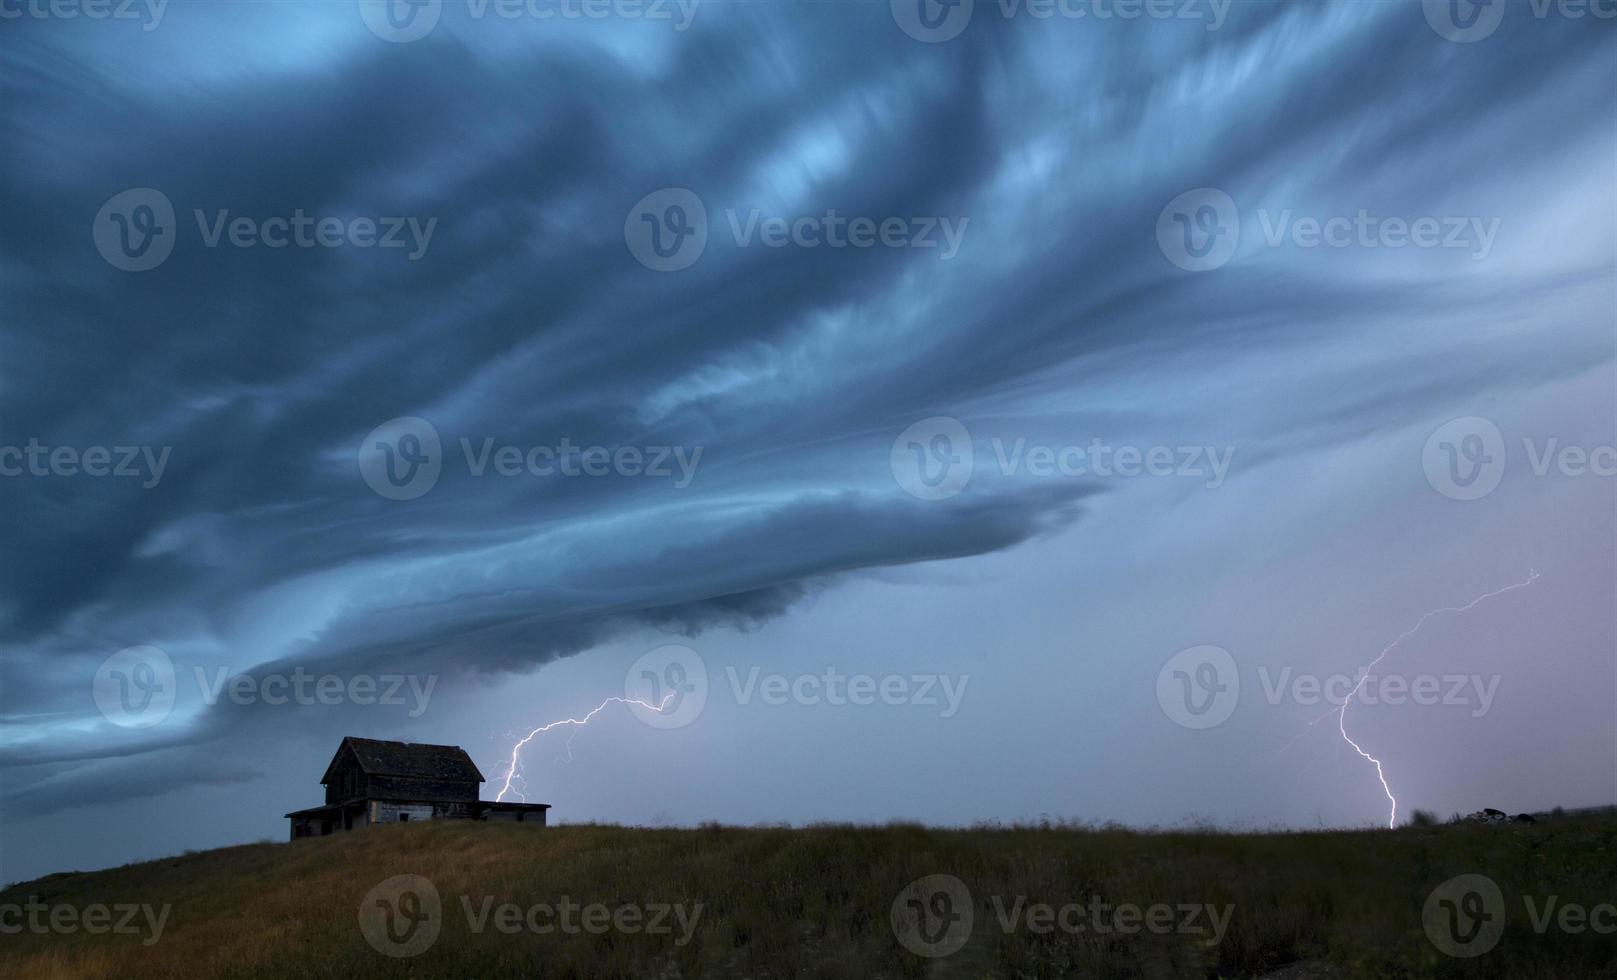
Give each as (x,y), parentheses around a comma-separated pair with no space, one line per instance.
(410,759)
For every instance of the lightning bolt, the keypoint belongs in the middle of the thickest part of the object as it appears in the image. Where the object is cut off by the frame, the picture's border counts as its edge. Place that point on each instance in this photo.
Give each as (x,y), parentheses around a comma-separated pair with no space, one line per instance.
(1341,712)
(516,751)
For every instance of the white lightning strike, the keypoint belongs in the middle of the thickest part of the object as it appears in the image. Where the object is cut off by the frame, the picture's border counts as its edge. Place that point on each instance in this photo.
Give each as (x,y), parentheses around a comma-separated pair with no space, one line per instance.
(1341,712)
(516,750)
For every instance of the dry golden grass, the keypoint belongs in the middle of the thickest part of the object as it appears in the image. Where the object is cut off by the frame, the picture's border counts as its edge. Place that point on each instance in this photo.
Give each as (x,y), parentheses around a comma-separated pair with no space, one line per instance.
(779,902)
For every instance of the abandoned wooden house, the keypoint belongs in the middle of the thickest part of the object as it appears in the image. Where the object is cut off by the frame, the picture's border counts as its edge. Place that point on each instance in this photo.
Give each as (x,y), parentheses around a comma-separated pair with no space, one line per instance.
(373,782)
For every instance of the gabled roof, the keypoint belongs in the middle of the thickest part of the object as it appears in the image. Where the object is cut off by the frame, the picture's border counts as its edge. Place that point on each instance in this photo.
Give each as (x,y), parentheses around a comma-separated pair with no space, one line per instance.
(414,760)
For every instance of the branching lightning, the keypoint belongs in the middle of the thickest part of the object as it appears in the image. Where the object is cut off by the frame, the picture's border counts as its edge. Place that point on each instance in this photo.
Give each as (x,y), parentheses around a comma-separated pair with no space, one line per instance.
(515,765)
(1341,710)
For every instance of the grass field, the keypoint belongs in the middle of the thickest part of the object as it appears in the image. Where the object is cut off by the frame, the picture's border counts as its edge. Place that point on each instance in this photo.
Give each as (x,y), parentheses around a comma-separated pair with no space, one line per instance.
(818,902)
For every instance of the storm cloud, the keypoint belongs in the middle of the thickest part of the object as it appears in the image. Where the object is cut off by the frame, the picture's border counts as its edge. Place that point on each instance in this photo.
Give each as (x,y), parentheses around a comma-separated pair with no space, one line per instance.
(1051,146)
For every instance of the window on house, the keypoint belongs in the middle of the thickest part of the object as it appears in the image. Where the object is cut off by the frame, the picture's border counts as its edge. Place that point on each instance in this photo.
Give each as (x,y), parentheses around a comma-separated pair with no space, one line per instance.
(404,818)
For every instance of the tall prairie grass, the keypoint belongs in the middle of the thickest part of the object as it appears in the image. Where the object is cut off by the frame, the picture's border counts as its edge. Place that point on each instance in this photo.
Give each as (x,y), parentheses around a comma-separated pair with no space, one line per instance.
(814,902)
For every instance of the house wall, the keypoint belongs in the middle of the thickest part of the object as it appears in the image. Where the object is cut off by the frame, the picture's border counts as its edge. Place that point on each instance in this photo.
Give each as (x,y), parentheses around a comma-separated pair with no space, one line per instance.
(375,812)
(388,811)
(426,790)
(349,782)
(383,812)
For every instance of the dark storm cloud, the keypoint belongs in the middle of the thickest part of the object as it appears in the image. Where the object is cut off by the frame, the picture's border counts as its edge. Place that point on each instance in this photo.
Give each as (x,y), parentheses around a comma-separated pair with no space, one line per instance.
(527,320)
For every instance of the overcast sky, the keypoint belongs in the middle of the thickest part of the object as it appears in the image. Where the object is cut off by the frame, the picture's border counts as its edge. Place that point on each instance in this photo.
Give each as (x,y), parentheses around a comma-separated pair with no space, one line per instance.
(1195,297)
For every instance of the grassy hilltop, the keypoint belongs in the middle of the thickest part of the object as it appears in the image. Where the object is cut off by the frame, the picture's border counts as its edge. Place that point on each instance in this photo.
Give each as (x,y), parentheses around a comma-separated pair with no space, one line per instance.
(778,902)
